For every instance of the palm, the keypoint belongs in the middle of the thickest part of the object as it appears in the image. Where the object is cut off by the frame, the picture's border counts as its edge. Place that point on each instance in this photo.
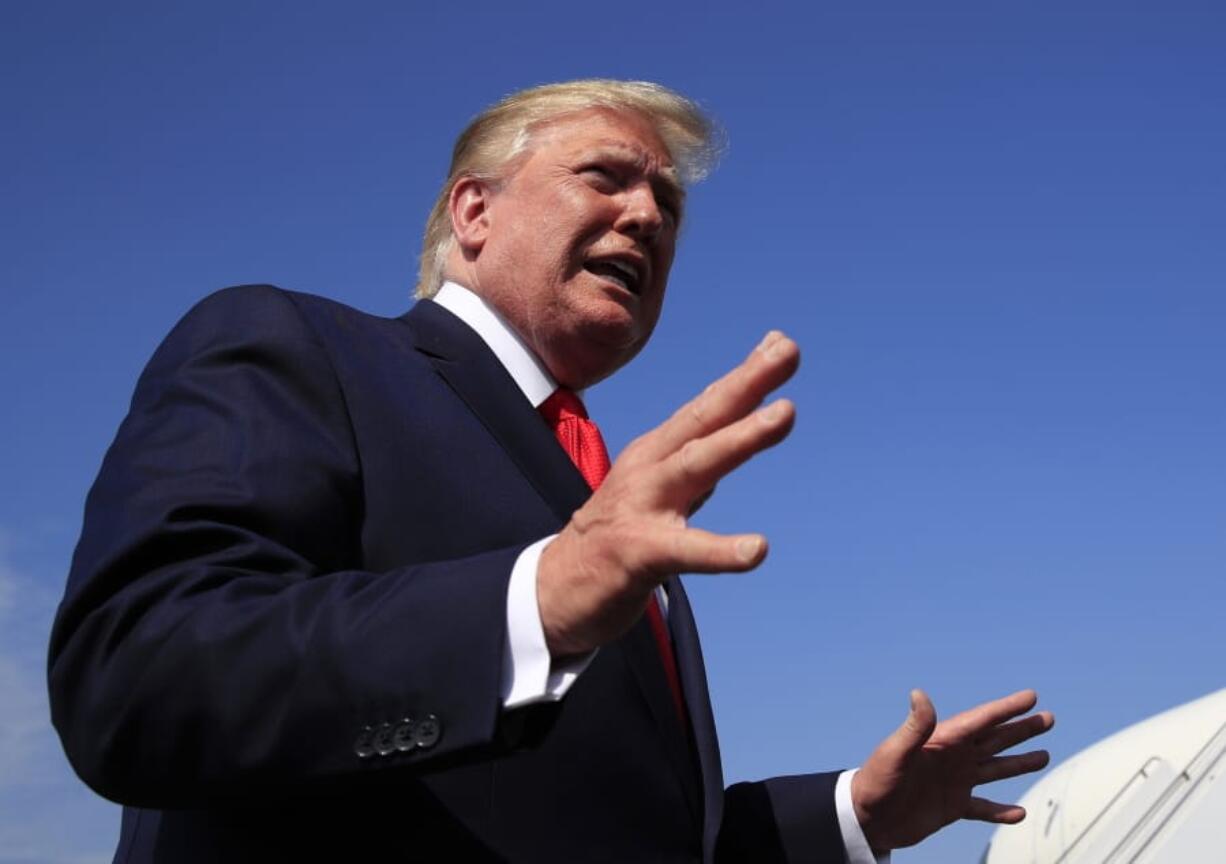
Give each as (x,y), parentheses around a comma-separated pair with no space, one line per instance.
(922,777)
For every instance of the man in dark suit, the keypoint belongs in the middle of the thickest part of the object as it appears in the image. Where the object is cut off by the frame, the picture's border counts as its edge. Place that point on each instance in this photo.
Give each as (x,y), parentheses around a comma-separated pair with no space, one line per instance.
(340,595)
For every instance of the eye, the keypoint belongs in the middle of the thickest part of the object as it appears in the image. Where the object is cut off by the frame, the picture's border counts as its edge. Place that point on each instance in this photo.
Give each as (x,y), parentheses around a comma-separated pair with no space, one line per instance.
(601,176)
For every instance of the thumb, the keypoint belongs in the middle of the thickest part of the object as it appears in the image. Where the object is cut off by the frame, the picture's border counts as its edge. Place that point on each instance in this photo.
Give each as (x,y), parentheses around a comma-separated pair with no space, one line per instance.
(917,728)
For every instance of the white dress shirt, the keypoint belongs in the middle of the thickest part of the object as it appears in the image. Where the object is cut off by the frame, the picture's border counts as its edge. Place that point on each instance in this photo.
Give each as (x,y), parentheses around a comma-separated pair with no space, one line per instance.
(529,674)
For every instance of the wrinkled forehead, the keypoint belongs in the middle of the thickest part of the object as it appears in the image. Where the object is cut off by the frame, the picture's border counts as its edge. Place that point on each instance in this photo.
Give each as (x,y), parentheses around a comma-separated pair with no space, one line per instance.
(629,136)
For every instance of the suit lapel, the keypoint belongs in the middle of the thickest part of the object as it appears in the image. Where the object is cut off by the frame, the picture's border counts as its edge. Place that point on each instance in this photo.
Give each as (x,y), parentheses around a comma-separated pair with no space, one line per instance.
(698,702)
(643,657)
(472,371)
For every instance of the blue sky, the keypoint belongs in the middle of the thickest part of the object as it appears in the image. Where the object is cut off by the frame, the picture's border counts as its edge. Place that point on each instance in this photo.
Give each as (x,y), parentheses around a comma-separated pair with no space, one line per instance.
(997,231)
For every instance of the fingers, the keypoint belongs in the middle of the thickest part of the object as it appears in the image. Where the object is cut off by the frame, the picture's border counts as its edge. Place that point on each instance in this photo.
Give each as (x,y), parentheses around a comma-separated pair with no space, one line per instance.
(983,810)
(729,399)
(1012,734)
(921,720)
(701,462)
(972,723)
(697,503)
(692,550)
(1004,767)
(912,734)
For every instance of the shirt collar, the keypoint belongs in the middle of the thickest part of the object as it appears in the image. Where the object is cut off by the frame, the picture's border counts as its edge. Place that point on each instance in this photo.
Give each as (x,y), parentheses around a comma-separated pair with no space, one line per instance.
(529,374)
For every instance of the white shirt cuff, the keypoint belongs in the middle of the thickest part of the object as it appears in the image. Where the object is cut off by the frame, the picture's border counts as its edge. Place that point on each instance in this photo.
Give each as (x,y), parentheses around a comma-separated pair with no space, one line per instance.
(529,673)
(858,851)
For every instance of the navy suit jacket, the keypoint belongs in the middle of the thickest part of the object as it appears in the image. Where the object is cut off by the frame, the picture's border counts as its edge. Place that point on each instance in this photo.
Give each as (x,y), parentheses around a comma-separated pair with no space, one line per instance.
(283,631)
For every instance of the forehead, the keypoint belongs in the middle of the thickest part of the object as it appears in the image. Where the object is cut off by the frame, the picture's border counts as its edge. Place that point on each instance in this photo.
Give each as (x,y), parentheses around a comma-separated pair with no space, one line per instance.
(601,131)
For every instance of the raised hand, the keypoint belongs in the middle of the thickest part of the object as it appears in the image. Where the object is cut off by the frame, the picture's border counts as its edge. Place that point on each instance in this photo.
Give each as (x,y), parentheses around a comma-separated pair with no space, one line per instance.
(921,778)
(595,577)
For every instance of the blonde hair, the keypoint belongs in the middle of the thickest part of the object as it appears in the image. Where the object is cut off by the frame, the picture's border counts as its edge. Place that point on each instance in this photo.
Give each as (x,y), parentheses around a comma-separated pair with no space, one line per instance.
(498,135)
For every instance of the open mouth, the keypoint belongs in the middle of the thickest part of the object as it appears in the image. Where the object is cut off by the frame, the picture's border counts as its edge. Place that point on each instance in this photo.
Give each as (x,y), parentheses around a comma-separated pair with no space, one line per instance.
(619,272)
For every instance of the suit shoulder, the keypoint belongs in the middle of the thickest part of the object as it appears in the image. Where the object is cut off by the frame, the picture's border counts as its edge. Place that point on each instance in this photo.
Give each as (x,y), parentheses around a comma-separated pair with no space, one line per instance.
(264,312)
(241,308)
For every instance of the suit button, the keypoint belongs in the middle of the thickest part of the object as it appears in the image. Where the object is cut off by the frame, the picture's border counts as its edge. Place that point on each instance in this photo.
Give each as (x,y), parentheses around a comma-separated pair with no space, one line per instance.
(364,747)
(429,730)
(383,740)
(403,736)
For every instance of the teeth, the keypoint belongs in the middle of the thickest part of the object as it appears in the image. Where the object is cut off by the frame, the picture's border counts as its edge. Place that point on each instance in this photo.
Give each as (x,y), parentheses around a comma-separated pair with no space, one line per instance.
(621,272)
(618,281)
(625,268)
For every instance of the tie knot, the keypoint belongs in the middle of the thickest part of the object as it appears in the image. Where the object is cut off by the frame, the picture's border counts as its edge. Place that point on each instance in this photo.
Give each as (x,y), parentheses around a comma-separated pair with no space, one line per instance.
(577,434)
(562,403)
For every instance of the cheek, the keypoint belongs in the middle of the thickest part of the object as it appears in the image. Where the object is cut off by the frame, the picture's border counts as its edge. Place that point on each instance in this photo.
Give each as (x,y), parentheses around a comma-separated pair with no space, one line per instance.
(584,212)
(663,265)
(561,232)
(534,249)
(666,254)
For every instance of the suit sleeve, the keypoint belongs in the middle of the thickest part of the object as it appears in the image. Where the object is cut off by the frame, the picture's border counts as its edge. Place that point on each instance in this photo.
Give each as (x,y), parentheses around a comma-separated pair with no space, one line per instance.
(215,639)
(788,820)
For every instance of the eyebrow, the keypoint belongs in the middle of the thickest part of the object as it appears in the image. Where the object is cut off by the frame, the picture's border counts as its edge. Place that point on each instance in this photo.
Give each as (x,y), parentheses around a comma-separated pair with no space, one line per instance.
(670,177)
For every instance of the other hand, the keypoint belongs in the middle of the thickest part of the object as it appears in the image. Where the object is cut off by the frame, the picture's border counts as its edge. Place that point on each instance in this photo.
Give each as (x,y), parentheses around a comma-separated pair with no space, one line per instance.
(595,577)
(920,779)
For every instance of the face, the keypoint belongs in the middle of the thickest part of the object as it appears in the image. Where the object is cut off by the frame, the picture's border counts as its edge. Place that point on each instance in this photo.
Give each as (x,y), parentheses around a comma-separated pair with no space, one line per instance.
(578,242)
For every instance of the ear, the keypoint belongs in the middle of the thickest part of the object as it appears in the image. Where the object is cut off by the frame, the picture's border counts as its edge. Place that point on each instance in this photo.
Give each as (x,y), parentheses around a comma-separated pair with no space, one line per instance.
(468,206)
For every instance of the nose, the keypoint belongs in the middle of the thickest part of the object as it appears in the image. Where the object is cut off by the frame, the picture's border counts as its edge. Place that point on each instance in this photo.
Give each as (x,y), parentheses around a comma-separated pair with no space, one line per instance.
(641,216)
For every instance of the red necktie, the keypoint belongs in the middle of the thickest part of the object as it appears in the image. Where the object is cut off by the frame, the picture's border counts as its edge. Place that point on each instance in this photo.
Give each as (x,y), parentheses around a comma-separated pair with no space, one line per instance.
(581,440)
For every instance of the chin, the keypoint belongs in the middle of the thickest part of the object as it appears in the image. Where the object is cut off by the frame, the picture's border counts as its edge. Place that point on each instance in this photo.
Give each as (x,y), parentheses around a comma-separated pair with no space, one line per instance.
(612,357)
(623,334)
(595,356)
